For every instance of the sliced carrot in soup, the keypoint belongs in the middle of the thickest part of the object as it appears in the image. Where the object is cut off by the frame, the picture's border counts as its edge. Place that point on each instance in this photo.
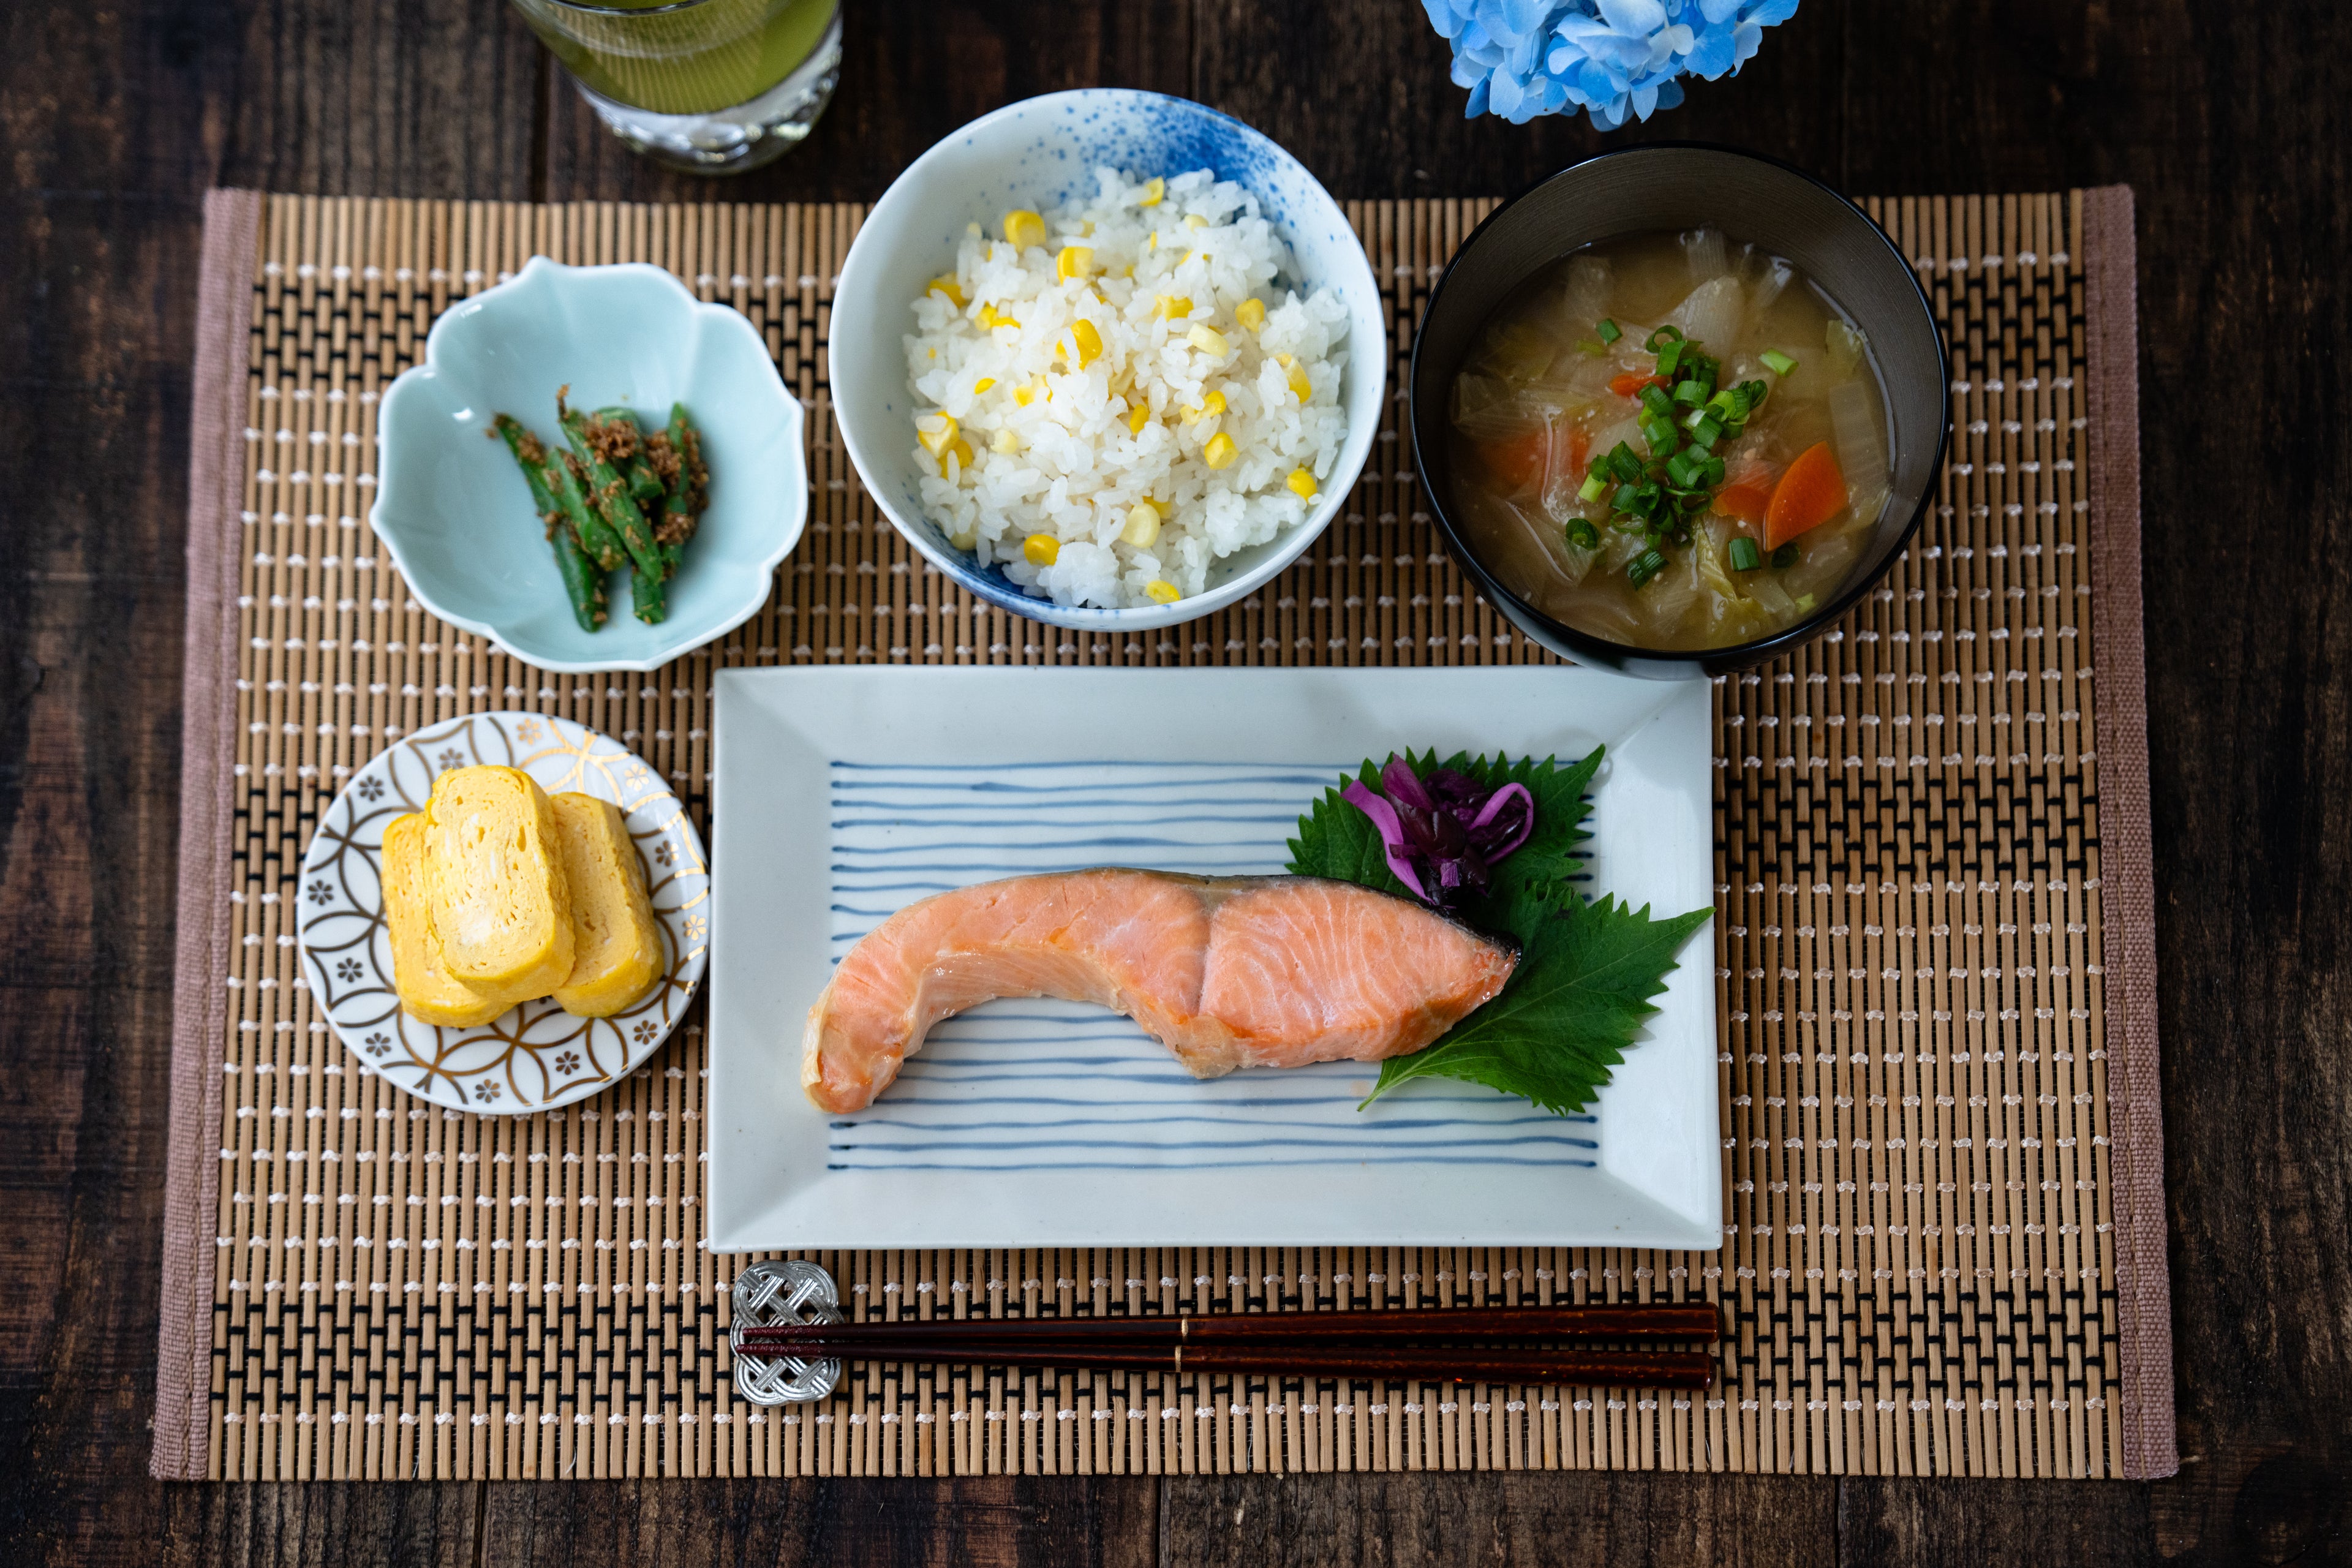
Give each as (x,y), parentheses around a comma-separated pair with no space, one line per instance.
(1629,384)
(1519,461)
(1747,493)
(1579,448)
(1811,493)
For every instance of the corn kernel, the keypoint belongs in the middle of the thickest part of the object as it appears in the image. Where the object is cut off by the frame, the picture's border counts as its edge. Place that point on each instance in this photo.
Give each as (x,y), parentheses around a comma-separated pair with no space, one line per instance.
(1073,261)
(991,318)
(1251,313)
(1004,441)
(1209,407)
(1040,549)
(1153,189)
(983,384)
(966,539)
(1088,343)
(1155,241)
(937,432)
(1194,220)
(1162,591)
(948,287)
(1302,484)
(1208,339)
(1221,451)
(961,451)
(1296,375)
(1174,307)
(1142,524)
(1023,229)
(1137,418)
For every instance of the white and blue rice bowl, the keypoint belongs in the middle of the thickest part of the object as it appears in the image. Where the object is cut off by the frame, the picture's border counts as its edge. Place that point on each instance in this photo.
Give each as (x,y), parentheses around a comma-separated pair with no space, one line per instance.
(1039,154)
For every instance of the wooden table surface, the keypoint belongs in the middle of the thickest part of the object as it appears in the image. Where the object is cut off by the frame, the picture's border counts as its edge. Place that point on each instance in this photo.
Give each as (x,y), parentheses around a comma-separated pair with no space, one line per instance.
(2229,119)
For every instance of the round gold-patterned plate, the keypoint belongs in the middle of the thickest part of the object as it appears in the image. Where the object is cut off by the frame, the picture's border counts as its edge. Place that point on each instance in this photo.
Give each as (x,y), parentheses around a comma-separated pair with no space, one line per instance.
(534,1056)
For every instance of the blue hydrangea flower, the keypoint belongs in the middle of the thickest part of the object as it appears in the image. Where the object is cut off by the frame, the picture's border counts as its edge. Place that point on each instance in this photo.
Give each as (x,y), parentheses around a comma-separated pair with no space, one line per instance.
(1616,59)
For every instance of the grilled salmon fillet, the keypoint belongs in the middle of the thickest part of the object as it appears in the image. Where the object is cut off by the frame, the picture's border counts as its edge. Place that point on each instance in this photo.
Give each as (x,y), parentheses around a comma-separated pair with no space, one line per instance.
(1234,971)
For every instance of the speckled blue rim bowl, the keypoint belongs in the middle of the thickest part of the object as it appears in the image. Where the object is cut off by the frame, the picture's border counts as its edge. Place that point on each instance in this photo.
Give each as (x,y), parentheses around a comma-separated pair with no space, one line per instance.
(1038,155)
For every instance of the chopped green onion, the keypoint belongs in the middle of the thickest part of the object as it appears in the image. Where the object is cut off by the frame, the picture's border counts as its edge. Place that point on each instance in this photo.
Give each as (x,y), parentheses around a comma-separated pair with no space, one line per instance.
(1706,430)
(1625,500)
(1713,466)
(1624,464)
(1593,485)
(1644,566)
(1582,534)
(1785,557)
(1744,556)
(1654,399)
(1610,331)
(1669,357)
(1662,337)
(1688,395)
(1780,363)
(1590,348)
(1680,469)
(1804,602)
(1663,442)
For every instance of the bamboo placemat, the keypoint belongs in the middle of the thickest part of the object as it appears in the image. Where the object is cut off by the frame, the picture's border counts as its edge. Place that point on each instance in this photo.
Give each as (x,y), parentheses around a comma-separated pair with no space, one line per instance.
(1944,1246)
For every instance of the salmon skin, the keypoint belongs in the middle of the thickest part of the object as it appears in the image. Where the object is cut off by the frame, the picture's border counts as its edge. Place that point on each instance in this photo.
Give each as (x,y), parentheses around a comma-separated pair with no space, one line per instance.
(1228,971)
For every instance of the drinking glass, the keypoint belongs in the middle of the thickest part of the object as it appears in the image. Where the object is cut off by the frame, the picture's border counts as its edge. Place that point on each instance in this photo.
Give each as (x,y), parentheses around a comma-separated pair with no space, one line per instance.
(712,87)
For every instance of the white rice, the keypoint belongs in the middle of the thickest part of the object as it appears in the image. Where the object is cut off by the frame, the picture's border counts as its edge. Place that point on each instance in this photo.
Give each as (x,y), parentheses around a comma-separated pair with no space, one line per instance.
(1079,471)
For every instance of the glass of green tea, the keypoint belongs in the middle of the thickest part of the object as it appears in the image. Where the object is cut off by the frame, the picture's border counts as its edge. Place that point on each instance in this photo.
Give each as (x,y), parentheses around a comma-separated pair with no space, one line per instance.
(712,87)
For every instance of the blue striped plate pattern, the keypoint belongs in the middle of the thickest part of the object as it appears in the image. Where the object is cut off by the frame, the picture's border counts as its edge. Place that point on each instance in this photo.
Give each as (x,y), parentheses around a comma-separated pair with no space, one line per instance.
(1040,1084)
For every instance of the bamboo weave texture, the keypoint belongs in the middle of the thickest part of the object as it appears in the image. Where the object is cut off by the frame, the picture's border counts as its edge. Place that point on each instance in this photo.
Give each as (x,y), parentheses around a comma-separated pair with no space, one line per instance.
(1918,1271)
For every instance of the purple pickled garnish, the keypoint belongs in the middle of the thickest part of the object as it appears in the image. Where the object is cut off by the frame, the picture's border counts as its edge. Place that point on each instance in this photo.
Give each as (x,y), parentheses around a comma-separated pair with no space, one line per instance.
(1404,786)
(1443,833)
(1392,830)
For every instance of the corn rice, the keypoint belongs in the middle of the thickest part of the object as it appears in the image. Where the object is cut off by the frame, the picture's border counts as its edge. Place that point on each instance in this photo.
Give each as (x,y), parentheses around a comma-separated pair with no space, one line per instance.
(1115,416)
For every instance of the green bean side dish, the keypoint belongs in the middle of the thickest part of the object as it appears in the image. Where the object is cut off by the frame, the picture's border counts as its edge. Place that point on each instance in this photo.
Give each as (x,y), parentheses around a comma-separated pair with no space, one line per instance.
(613,496)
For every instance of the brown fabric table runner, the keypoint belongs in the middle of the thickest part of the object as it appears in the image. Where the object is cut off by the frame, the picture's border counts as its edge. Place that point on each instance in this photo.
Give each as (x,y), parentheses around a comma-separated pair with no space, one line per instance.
(1944,1248)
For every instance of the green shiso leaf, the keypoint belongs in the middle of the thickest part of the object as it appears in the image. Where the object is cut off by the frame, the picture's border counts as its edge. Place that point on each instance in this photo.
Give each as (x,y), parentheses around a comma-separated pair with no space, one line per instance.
(1582,989)
(1587,970)
(1337,841)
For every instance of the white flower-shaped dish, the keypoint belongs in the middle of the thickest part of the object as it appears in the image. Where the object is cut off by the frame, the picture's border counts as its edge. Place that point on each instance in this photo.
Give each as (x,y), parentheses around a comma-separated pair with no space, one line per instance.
(535,1057)
(455,512)
(1038,154)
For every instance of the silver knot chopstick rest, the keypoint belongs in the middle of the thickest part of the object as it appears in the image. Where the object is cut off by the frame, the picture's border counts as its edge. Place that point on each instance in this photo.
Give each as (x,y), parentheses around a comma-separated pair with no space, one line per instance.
(792,1291)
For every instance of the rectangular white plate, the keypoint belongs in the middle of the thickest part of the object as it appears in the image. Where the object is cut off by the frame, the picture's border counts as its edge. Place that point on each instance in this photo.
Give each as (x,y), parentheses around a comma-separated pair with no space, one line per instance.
(842,794)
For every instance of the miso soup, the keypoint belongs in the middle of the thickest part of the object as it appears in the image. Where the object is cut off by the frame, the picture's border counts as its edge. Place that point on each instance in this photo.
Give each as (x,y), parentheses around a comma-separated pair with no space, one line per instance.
(1670,441)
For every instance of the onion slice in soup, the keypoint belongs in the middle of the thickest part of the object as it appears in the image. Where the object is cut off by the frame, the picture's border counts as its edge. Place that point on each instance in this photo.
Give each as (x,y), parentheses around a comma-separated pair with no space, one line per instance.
(1711,313)
(1861,446)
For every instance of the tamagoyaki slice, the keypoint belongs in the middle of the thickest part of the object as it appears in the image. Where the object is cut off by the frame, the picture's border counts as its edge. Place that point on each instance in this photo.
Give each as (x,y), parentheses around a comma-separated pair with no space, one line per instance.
(428,992)
(617,950)
(501,908)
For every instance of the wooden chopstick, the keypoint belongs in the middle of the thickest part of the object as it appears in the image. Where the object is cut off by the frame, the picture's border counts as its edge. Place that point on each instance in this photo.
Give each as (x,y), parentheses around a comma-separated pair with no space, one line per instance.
(1419,1345)
(1440,1362)
(1656,1321)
